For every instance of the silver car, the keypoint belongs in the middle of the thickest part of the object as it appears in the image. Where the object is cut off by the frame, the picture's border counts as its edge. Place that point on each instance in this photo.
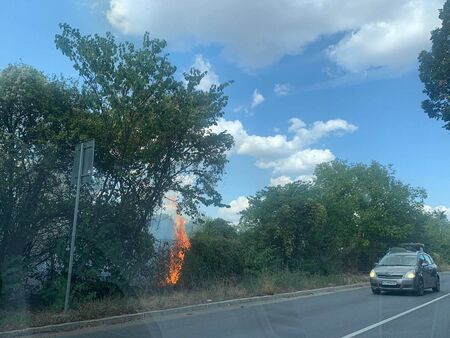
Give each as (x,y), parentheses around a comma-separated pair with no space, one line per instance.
(404,270)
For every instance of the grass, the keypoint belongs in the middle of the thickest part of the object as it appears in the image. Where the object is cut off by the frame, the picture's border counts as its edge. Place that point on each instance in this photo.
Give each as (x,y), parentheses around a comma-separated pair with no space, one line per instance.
(263,284)
(444,266)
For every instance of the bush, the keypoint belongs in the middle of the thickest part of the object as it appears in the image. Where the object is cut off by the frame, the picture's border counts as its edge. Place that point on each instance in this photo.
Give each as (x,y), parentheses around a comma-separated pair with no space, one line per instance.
(52,294)
(12,282)
(215,253)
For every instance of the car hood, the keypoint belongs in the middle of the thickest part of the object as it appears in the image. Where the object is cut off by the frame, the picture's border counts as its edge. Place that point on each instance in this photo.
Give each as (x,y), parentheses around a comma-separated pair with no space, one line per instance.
(394,269)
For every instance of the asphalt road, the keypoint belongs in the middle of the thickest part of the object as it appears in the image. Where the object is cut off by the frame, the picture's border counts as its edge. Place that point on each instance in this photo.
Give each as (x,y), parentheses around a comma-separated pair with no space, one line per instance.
(350,313)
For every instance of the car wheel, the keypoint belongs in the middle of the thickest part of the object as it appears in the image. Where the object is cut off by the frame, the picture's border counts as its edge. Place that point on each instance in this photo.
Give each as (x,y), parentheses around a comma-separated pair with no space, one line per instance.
(420,287)
(437,288)
(376,291)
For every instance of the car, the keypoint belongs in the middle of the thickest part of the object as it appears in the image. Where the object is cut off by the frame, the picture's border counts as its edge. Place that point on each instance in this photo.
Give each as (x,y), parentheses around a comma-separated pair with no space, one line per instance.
(405,268)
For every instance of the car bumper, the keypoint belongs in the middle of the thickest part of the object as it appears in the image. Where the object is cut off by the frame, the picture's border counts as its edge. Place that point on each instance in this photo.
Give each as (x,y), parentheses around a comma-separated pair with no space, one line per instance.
(392,284)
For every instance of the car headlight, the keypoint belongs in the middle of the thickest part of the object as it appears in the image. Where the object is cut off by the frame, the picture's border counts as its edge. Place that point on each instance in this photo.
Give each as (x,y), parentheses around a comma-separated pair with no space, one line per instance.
(410,274)
(372,274)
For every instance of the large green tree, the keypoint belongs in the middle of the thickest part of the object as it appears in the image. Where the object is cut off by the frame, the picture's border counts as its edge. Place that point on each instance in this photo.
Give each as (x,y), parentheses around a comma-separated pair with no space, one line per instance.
(152,130)
(435,71)
(35,139)
(368,210)
(338,222)
(153,137)
(285,227)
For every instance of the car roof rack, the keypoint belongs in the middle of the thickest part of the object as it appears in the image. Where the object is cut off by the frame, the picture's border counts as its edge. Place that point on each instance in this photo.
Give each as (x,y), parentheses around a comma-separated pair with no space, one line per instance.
(413,246)
(397,249)
(407,247)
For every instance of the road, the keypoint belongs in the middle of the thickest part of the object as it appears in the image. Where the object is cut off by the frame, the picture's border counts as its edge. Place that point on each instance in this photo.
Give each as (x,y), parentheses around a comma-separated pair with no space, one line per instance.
(350,313)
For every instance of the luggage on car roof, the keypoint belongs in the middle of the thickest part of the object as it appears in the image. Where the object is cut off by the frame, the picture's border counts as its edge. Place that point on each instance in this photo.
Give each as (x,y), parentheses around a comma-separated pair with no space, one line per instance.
(405,247)
(413,246)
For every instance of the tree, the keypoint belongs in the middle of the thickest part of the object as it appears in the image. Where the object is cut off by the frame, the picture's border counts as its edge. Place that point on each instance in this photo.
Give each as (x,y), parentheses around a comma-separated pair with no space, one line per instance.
(437,236)
(337,223)
(285,228)
(368,210)
(35,136)
(151,130)
(435,71)
(152,136)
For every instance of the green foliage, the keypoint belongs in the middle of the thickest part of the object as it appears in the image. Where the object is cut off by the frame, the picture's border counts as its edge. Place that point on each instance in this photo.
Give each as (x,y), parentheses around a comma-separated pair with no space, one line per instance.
(51,295)
(368,210)
(435,71)
(436,235)
(215,253)
(151,130)
(339,222)
(286,222)
(12,292)
(216,227)
(152,136)
(35,118)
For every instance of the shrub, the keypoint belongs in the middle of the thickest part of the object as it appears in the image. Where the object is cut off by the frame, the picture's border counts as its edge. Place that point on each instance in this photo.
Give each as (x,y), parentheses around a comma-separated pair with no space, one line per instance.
(215,253)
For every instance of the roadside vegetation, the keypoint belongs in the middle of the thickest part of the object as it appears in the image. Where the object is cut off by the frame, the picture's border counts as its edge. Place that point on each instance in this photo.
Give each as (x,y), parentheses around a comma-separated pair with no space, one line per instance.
(265,284)
(153,137)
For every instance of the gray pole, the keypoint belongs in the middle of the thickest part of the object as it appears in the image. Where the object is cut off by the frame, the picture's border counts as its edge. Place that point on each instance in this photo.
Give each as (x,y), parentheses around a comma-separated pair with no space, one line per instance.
(74,230)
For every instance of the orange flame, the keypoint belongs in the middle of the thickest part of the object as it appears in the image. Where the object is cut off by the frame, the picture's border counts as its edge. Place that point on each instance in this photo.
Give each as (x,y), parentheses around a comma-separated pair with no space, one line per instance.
(178,250)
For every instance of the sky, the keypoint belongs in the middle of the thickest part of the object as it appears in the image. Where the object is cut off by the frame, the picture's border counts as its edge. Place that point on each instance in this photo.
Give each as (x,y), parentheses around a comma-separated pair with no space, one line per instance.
(313,80)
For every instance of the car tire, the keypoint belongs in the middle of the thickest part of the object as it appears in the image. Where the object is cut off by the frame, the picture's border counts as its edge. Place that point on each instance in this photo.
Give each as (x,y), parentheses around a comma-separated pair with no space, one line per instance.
(437,288)
(376,291)
(420,290)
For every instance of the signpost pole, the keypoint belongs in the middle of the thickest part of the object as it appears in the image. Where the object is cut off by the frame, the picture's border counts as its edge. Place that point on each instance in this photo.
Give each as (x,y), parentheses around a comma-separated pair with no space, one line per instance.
(74,229)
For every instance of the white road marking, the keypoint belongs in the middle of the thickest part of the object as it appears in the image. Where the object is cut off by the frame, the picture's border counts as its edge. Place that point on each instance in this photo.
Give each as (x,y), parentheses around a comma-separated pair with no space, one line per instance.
(370,327)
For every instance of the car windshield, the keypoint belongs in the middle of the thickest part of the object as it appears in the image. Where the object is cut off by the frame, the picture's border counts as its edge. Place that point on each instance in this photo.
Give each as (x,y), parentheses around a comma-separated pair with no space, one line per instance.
(396,260)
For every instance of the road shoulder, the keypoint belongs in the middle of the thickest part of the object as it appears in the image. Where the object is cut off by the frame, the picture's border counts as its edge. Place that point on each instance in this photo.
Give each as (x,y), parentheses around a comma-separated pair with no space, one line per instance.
(160,314)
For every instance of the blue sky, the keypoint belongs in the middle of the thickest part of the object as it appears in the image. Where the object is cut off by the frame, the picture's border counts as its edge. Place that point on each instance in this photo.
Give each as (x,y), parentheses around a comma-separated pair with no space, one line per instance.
(313,80)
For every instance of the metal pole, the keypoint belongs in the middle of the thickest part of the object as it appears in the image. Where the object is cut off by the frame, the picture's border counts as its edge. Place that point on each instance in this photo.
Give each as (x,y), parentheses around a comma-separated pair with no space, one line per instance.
(74,230)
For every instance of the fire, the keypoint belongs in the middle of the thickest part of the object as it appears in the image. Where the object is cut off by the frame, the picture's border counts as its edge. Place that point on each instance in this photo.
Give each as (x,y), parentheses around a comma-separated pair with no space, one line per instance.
(178,250)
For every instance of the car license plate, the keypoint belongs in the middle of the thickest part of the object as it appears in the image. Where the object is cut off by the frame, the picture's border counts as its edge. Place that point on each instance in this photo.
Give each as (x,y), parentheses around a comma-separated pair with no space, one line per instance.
(388,282)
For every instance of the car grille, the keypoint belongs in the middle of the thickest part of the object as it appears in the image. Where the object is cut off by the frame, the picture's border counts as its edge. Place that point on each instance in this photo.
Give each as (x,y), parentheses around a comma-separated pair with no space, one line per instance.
(389,276)
(391,286)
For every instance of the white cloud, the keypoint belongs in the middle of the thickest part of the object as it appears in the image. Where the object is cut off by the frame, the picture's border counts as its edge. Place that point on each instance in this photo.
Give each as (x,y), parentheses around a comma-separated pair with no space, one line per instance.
(257,98)
(302,161)
(282,154)
(391,44)
(283,180)
(319,129)
(440,208)
(280,180)
(281,89)
(232,213)
(210,78)
(256,33)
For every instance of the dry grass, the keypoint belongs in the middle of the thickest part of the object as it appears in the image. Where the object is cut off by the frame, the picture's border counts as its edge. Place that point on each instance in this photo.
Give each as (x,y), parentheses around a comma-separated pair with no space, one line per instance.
(443,266)
(264,284)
